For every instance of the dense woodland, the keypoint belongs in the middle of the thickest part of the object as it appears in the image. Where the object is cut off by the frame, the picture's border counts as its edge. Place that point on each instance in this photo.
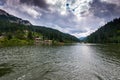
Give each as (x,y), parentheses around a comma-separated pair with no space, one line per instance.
(48,33)
(109,33)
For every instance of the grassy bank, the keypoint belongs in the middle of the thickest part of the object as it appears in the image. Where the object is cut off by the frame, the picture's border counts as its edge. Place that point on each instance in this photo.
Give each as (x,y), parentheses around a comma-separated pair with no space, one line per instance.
(14,42)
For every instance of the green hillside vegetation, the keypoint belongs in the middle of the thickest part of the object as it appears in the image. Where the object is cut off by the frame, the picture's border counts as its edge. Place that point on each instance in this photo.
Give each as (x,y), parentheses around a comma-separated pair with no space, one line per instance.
(53,34)
(109,33)
(13,34)
(15,31)
(18,34)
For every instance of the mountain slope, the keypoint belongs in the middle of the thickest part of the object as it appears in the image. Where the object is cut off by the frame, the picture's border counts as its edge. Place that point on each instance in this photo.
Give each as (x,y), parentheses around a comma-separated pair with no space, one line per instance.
(7,17)
(109,33)
(13,29)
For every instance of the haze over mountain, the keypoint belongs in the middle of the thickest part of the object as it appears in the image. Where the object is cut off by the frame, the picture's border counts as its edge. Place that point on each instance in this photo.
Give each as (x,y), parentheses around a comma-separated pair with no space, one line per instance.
(77,17)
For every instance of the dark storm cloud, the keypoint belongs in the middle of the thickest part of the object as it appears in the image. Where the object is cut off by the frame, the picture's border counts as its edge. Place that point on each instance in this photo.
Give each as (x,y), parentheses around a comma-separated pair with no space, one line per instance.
(2,2)
(104,9)
(40,3)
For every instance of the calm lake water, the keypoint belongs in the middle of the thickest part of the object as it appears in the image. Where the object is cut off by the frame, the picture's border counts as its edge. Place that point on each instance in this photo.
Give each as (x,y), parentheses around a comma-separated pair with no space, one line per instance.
(68,62)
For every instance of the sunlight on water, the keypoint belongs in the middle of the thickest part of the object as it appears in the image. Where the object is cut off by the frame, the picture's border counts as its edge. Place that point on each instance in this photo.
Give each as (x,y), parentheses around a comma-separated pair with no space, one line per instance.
(86,51)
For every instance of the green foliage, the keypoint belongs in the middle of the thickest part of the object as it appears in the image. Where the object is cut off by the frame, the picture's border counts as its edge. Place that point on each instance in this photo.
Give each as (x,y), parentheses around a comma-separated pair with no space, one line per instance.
(14,33)
(109,33)
(17,31)
(30,35)
(53,34)
(15,42)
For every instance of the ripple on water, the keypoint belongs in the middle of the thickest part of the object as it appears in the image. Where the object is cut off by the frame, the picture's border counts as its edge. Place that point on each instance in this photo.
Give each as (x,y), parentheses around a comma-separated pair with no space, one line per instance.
(78,62)
(5,69)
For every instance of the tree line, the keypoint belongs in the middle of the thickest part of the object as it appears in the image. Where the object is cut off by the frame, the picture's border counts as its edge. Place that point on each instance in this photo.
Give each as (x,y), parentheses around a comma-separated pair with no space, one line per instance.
(15,30)
(109,33)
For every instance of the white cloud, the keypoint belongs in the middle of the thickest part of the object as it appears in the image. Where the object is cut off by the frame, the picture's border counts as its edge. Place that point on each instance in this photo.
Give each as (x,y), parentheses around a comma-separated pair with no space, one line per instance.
(31,11)
(52,2)
(79,6)
(83,34)
(112,1)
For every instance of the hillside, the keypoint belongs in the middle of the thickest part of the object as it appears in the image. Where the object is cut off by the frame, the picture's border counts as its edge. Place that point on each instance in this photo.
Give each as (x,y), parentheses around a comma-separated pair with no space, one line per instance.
(109,33)
(4,16)
(17,31)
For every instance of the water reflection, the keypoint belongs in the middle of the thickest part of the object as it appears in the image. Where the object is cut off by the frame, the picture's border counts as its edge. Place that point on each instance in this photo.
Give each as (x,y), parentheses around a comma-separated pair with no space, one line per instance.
(68,62)
(5,69)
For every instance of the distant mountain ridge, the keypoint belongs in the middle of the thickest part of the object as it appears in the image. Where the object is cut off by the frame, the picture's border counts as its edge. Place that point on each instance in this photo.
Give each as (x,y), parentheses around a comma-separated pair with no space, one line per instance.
(82,38)
(5,16)
(109,33)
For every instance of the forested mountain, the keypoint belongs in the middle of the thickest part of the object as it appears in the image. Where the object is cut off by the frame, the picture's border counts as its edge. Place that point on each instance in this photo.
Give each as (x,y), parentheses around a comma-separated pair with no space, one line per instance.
(4,16)
(16,30)
(109,33)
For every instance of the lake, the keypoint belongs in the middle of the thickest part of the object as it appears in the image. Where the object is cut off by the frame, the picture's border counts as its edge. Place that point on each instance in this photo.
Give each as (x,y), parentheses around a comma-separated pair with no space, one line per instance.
(68,62)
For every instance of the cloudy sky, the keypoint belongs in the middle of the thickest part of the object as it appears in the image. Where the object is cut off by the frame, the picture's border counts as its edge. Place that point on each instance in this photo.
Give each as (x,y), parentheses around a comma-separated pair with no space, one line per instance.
(76,17)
